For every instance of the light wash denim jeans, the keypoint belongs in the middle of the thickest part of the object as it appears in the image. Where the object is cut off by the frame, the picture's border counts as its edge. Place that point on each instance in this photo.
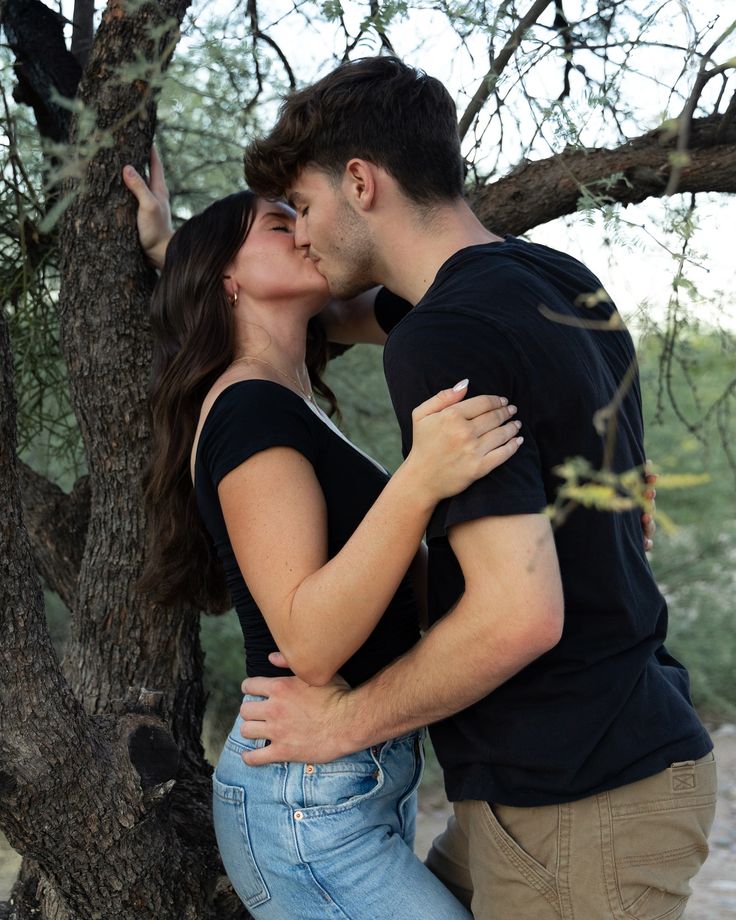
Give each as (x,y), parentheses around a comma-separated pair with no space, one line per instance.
(327,841)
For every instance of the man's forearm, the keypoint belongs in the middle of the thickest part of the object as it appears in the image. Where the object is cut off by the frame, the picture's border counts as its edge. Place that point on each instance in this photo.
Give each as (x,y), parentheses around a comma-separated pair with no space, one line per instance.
(462,659)
(510,614)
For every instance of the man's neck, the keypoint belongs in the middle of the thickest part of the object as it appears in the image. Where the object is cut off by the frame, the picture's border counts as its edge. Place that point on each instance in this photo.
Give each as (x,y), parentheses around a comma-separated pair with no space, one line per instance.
(413,250)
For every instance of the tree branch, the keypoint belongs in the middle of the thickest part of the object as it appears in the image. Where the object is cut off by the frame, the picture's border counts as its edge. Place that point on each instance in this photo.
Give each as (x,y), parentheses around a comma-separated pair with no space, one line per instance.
(545,189)
(685,119)
(43,66)
(83,30)
(57,526)
(491,78)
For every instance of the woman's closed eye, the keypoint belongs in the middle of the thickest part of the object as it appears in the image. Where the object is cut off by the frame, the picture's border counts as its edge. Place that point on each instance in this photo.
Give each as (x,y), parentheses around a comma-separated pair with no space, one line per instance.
(283,228)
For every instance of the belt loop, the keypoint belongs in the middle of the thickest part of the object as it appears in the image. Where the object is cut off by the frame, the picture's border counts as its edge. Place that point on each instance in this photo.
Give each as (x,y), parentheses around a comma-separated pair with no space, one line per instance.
(683,776)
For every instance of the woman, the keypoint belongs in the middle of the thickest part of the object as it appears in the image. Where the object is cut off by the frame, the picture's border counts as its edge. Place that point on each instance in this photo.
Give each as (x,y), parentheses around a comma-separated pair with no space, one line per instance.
(315,542)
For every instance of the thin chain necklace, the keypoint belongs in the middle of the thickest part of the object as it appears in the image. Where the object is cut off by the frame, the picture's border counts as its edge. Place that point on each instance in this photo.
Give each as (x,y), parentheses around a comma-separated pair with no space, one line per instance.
(307,395)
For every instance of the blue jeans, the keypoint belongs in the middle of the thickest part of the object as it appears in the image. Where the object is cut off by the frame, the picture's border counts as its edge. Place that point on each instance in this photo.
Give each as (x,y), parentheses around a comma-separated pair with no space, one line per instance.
(327,841)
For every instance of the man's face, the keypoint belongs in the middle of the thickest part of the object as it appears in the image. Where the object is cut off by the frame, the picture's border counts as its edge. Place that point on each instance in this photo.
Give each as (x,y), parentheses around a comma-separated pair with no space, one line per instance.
(334,235)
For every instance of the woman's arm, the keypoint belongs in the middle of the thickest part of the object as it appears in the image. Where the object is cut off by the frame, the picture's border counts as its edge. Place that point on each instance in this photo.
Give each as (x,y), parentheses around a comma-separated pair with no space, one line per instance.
(320,610)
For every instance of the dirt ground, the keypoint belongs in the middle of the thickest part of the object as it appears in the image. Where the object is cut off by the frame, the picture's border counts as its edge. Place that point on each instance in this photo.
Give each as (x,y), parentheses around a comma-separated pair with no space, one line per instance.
(714,888)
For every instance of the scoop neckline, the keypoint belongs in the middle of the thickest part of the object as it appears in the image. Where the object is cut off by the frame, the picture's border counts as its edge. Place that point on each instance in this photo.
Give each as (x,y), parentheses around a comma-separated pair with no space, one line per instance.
(314,409)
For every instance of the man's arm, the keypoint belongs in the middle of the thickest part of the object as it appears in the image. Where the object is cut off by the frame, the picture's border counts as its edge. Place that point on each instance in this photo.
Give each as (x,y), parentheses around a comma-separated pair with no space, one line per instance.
(510,614)
(350,322)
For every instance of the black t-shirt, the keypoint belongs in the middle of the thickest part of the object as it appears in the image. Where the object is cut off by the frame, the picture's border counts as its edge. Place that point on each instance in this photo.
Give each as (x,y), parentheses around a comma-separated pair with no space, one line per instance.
(608,705)
(253,415)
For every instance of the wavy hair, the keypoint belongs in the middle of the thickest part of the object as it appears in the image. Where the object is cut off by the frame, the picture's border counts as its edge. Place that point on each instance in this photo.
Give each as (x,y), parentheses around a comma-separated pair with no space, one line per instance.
(376,108)
(194,342)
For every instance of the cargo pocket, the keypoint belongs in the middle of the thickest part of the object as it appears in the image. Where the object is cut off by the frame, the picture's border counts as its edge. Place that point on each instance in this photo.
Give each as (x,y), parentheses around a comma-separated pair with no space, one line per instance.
(516,864)
(659,842)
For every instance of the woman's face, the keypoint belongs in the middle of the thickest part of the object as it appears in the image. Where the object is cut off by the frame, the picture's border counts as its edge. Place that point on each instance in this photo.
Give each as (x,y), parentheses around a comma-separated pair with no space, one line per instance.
(268,267)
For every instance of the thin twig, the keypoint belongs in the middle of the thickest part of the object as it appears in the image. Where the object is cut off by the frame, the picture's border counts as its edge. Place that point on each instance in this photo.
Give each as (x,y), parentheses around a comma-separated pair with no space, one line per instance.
(680,157)
(491,78)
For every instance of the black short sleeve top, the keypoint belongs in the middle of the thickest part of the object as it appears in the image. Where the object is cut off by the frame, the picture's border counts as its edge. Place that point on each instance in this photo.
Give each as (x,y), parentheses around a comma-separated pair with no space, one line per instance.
(253,415)
(608,705)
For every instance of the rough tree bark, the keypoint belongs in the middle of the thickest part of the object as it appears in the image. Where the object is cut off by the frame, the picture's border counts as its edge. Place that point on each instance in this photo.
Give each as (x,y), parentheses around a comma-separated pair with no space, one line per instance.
(103,783)
(57,525)
(84,797)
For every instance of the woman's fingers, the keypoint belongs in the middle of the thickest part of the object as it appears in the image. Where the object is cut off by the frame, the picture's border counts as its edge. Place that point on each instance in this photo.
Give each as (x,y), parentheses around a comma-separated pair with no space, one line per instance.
(498,436)
(137,185)
(442,400)
(480,405)
(498,446)
(158,180)
(488,421)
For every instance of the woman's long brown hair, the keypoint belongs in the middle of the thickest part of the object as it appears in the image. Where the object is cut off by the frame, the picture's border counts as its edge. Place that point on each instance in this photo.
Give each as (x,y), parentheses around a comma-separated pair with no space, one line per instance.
(192,325)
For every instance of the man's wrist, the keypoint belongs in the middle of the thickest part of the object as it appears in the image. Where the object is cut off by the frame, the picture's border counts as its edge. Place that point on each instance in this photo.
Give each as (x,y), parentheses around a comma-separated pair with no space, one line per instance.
(351,725)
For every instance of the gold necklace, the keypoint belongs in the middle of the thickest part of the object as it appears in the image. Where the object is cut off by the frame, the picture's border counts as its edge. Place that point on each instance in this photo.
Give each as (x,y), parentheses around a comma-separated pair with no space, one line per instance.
(307,395)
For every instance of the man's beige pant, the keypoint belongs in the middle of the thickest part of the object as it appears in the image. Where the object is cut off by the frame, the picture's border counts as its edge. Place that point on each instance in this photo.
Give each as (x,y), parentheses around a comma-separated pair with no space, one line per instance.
(627,854)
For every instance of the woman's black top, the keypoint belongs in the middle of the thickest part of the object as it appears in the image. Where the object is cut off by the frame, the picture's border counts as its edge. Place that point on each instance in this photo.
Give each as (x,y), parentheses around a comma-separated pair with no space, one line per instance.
(253,415)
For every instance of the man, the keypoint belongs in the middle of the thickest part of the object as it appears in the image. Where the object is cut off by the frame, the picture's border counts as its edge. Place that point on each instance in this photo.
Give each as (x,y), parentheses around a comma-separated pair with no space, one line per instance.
(582,779)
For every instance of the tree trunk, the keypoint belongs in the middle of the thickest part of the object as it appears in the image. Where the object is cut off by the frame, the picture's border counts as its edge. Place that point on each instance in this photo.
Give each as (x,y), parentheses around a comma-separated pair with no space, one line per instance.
(103,783)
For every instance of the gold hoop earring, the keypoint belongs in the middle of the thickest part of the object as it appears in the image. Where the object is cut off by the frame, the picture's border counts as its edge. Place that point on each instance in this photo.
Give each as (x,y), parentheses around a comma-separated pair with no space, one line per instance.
(232,299)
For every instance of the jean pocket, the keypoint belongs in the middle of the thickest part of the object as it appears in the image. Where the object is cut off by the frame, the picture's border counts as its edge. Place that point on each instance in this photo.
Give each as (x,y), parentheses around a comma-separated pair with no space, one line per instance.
(658,845)
(407,807)
(330,788)
(233,840)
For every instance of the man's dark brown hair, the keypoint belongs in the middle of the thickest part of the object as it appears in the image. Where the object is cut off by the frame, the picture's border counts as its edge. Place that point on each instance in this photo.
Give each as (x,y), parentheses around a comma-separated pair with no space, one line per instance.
(378,109)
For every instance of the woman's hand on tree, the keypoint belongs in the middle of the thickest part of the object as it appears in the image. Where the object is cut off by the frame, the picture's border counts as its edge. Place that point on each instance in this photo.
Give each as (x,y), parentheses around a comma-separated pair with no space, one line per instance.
(154,213)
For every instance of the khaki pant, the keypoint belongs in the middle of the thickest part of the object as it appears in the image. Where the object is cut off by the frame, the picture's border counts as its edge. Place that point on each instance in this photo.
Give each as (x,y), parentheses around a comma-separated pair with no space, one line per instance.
(627,854)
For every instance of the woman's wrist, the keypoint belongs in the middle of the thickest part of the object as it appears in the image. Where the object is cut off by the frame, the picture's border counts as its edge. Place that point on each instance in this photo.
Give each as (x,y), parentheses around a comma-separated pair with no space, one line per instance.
(156,255)
(417,484)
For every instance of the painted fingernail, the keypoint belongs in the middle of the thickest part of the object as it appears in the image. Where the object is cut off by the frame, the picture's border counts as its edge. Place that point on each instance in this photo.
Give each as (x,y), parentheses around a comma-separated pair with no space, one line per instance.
(519,440)
(517,423)
(504,401)
(461,385)
(512,409)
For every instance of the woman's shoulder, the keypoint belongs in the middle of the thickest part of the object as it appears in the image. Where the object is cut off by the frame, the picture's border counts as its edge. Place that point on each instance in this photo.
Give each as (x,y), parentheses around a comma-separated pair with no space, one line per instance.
(237,400)
(248,395)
